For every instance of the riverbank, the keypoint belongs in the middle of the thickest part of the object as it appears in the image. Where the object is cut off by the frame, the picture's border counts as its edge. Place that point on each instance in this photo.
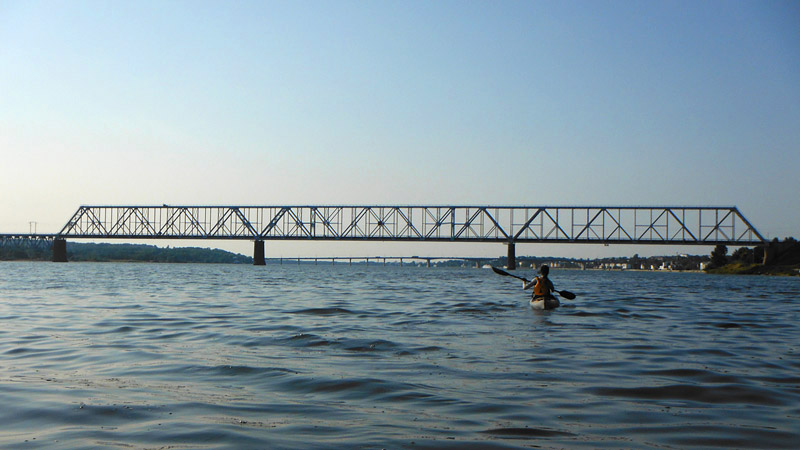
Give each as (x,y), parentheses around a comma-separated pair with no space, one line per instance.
(738,268)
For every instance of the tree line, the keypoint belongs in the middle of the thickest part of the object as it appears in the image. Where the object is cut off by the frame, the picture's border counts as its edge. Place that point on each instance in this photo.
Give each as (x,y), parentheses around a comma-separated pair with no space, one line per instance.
(784,258)
(125,252)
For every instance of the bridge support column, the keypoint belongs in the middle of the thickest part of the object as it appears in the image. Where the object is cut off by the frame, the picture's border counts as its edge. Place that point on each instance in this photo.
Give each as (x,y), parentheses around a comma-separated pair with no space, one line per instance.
(60,250)
(258,254)
(512,257)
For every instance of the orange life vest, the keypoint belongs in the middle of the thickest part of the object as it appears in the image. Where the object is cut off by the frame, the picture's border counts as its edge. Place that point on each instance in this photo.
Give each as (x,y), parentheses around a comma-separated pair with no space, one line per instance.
(541,288)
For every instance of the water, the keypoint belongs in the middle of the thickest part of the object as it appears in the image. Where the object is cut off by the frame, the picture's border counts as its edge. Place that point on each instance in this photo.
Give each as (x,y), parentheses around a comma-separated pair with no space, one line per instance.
(218,356)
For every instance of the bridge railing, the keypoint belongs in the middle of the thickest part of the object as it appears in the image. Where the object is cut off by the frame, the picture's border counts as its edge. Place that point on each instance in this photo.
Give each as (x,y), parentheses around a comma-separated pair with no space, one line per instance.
(511,224)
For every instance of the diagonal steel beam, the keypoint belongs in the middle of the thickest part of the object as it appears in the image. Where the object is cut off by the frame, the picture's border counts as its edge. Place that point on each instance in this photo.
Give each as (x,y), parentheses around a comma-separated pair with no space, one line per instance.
(527,225)
(683,226)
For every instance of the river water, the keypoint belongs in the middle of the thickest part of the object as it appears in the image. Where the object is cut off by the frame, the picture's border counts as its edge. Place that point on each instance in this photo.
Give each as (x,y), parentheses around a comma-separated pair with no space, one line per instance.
(223,356)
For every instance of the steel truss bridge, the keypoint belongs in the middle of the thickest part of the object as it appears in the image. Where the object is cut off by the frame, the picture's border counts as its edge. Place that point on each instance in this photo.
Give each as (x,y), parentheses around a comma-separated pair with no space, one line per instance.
(670,225)
(23,240)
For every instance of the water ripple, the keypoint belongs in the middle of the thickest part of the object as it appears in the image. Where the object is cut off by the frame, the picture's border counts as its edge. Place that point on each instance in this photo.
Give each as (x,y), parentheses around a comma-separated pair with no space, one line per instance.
(699,394)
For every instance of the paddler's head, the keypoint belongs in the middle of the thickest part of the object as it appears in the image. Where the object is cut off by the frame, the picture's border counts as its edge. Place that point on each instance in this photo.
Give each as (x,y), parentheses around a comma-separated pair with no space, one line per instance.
(544,270)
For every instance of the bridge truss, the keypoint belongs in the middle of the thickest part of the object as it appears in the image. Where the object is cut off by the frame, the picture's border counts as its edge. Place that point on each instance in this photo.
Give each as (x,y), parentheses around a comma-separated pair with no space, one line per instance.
(507,224)
(21,240)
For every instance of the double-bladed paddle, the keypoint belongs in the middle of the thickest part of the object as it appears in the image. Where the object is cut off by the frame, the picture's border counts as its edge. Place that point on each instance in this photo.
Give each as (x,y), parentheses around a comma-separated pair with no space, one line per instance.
(566,294)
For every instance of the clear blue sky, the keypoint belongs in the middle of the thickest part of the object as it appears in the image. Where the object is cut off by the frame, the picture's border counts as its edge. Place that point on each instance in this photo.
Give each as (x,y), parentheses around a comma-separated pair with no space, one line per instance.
(332,102)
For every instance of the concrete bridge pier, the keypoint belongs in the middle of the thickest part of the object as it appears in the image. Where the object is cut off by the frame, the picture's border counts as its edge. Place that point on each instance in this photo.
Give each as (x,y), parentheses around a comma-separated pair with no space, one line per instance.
(60,250)
(512,257)
(258,253)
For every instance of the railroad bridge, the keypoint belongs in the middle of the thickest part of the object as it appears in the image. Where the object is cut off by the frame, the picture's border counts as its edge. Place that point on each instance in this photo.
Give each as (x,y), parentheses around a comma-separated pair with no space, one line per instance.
(508,225)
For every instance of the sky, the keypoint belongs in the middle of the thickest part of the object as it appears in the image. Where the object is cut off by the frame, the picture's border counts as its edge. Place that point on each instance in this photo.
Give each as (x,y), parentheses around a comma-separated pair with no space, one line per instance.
(400,102)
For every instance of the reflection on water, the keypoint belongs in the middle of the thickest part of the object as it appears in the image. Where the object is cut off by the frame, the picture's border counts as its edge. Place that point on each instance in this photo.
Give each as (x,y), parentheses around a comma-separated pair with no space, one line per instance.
(213,356)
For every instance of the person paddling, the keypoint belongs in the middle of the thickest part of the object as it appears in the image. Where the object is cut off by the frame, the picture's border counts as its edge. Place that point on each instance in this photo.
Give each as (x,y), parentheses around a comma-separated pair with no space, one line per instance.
(542,290)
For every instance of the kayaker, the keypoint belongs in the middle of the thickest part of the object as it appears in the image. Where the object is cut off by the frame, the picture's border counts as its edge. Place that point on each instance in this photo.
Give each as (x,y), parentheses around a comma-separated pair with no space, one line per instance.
(542,286)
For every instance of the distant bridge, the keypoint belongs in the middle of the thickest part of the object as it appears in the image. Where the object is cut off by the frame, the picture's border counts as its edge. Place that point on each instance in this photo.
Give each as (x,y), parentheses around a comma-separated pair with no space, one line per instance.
(509,225)
(476,261)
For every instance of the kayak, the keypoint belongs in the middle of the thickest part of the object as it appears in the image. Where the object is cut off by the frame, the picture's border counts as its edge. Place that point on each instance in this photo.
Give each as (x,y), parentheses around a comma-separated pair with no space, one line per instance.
(545,303)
